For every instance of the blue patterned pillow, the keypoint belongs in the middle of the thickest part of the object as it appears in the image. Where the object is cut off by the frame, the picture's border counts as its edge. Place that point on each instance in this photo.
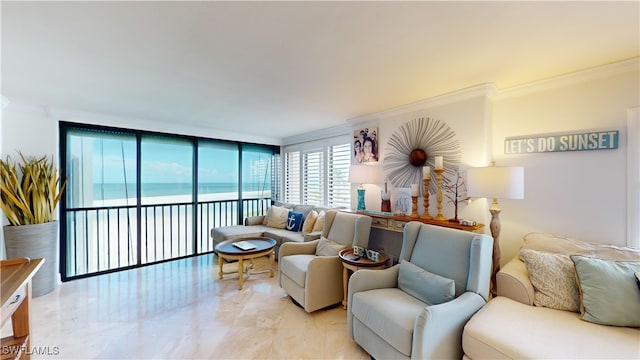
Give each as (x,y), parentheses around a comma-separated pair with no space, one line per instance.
(294,221)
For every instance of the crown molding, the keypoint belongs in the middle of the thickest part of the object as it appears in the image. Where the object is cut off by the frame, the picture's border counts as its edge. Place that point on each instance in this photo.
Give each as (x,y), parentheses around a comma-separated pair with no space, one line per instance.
(487,90)
(576,77)
(334,131)
(94,118)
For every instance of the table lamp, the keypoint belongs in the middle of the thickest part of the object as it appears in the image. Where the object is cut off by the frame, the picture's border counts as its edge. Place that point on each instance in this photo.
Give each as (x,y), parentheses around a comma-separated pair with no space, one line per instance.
(497,182)
(364,174)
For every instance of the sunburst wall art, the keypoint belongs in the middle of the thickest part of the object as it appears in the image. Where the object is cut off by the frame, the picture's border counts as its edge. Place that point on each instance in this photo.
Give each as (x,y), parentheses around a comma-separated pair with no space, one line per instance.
(415,145)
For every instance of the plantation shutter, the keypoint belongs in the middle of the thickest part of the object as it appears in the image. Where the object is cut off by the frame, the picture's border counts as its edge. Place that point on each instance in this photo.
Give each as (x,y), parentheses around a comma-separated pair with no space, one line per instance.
(313,181)
(339,188)
(292,177)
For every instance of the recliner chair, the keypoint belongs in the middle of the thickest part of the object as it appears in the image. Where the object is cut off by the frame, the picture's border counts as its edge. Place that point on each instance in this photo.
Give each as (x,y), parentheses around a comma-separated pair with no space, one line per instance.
(417,309)
(311,272)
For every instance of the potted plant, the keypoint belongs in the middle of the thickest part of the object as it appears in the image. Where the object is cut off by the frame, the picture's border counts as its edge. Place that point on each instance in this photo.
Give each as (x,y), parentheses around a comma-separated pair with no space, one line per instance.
(29,196)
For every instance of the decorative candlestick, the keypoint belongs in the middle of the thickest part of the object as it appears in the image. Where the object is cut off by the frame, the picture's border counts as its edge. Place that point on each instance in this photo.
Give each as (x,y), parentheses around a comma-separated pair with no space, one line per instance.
(426,199)
(414,207)
(439,196)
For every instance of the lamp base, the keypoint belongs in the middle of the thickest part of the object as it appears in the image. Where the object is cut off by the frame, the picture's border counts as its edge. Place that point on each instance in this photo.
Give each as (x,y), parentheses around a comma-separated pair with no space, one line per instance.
(361,206)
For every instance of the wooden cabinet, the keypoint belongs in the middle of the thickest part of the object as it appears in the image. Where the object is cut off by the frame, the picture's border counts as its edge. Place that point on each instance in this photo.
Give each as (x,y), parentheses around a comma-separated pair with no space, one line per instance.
(16,275)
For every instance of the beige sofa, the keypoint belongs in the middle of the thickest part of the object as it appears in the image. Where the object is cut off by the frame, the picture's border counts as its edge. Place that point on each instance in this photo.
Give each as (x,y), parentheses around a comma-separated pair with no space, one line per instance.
(258,226)
(511,326)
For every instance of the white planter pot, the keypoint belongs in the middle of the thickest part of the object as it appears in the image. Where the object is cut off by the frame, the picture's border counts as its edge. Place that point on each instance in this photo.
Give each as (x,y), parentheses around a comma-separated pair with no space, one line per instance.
(36,241)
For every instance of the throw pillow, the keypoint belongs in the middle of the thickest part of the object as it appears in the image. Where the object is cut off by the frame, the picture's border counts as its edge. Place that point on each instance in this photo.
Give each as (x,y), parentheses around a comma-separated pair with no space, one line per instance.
(553,279)
(294,221)
(307,226)
(319,222)
(328,248)
(277,217)
(427,287)
(608,292)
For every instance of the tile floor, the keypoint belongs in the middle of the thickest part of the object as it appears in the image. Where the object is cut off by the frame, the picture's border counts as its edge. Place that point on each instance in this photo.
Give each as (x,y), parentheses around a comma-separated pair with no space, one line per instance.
(181,310)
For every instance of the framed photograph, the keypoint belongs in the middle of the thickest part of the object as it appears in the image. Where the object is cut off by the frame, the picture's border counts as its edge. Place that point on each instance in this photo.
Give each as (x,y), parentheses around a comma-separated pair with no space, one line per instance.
(365,145)
(402,204)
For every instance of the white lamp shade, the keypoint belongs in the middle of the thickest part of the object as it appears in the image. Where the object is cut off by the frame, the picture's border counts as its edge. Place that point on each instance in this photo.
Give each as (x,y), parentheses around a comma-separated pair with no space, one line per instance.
(499,182)
(365,174)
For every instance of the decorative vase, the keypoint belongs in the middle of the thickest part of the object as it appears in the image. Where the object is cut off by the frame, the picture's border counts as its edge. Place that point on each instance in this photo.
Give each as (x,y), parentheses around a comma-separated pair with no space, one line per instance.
(36,241)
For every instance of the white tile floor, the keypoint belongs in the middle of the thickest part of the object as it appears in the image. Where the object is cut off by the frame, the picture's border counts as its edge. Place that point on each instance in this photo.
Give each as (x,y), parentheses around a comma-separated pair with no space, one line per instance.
(180,309)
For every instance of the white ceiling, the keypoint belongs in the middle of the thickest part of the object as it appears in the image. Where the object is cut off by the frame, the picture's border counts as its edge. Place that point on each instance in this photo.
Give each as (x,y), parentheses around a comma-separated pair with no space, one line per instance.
(278,69)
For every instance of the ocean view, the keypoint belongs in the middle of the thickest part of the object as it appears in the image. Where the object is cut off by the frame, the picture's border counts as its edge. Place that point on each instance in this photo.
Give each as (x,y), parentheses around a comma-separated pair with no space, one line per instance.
(112,191)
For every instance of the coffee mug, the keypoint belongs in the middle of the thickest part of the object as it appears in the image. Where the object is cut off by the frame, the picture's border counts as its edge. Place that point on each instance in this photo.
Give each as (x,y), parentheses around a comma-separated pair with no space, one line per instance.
(357,250)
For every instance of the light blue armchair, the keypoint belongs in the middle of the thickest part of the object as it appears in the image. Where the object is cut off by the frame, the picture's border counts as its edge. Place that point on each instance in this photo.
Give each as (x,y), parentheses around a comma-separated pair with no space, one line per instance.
(417,309)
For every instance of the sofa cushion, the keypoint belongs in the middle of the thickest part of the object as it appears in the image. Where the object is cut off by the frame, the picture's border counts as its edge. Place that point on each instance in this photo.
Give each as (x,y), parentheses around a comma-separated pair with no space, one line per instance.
(233,232)
(295,266)
(277,217)
(553,279)
(294,221)
(505,328)
(608,291)
(319,222)
(303,209)
(390,313)
(565,245)
(282,235)
(309,221)
(427,287)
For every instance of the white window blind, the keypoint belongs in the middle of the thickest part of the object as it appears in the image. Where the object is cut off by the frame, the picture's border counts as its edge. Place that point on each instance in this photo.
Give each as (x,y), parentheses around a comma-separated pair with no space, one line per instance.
(313,180)
(316,172)
(292,177)
(339,188)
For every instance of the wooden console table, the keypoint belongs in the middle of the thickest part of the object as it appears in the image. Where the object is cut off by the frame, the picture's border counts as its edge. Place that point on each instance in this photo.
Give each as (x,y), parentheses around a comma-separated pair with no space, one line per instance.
(16,275)
(397,223)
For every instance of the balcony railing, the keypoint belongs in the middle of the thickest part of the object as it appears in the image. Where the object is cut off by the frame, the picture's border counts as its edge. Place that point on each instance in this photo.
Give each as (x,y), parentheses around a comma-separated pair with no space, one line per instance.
(109,238)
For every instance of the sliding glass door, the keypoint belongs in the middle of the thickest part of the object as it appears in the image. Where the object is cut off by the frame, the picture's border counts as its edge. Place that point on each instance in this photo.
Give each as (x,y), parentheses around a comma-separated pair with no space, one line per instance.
(135,197)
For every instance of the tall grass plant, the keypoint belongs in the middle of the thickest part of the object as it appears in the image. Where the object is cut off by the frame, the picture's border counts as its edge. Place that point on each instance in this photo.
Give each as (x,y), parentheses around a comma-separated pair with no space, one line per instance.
(30,190)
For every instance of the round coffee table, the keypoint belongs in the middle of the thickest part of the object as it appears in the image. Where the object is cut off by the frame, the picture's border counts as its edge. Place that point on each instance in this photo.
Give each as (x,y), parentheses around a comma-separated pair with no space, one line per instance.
(262,246)
(355,265)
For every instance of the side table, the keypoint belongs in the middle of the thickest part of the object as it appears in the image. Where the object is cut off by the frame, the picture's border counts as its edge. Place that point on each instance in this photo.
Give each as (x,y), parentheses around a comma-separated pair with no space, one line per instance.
(355,265)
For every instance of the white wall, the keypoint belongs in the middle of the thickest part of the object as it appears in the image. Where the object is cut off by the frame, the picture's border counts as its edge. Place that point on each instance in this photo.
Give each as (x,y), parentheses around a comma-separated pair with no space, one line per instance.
(466,112)
(580,194)
(30,130)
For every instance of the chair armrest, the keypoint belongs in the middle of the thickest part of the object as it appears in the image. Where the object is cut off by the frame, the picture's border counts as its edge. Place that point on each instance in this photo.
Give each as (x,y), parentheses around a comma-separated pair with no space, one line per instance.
(323,282)
(253,220)
(312,236)
(438,329)
(366,279)
(513,282)
(294,248)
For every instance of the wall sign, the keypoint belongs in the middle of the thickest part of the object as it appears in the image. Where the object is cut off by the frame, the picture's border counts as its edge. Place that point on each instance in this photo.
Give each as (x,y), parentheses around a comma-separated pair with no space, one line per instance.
(593,140)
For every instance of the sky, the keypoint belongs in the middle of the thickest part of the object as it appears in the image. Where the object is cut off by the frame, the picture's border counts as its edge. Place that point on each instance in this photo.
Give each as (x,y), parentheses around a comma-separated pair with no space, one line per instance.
(168,161)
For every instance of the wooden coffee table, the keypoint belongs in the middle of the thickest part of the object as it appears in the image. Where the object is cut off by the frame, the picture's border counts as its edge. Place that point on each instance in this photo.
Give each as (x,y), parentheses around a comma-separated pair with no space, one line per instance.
(263,246)
(355,265)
